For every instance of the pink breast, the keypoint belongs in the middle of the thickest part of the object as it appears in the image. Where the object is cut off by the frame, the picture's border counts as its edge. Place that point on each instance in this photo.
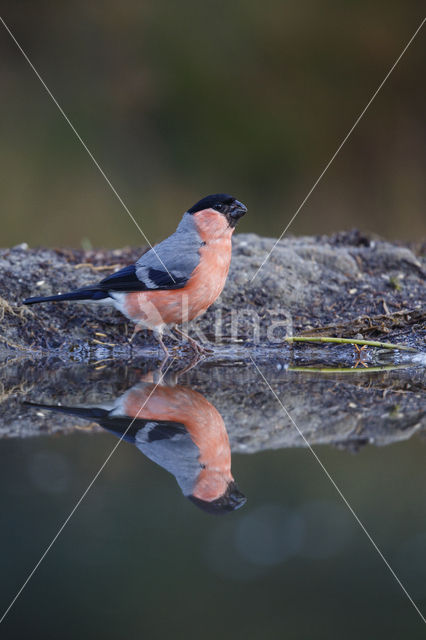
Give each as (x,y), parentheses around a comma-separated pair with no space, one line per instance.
(202,421)
(157,308)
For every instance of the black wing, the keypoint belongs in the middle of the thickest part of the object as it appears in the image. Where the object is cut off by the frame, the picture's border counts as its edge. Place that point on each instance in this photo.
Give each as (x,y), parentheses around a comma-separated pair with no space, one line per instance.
(118,425)
(127,280)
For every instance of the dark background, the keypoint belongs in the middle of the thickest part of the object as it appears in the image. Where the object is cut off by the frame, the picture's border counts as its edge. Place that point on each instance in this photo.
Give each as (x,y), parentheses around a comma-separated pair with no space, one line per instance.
(177,100)
(180,99)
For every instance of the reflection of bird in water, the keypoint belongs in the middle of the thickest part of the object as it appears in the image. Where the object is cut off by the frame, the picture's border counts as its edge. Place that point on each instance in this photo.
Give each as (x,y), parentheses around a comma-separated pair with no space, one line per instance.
(179,430)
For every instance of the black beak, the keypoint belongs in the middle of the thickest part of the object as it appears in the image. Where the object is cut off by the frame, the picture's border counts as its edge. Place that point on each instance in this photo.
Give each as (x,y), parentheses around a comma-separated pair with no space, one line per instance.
(231,500)
(236,211)
(236,499)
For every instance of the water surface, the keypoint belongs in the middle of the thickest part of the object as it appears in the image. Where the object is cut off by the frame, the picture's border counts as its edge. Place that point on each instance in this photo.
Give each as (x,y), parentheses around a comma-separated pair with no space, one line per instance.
(140,558)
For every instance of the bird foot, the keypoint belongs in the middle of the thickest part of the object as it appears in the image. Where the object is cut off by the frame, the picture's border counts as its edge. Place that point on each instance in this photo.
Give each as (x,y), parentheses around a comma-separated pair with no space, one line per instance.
(201,349)
(196,346)
(132,337)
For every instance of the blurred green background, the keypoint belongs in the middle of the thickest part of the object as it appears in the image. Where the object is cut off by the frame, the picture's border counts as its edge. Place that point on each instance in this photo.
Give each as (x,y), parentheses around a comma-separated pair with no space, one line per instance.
(180,99)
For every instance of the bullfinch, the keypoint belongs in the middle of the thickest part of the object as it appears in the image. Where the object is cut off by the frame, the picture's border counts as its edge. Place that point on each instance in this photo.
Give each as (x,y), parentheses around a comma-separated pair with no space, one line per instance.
(178,279)
(177,428)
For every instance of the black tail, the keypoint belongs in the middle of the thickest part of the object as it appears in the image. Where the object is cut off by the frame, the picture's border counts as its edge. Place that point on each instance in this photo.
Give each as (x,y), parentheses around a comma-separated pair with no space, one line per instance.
(118,425)
(78,294)
(88,413)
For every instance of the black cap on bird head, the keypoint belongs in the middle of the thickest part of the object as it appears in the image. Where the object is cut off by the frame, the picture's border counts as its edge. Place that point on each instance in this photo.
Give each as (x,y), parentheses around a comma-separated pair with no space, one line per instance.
(231,500)
(231,208)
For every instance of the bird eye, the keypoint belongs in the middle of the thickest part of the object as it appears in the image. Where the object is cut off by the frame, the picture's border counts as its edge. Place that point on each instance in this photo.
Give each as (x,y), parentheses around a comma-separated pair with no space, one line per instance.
(219,207)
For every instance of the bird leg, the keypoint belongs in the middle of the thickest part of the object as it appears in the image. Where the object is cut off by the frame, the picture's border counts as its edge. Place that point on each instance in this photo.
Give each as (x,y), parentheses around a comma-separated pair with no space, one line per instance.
(195,360)
(196,346)
(159,337)
(135,331)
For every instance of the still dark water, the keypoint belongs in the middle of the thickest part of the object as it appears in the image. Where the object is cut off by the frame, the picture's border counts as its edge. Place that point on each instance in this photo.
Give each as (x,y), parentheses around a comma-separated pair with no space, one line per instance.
(139,559)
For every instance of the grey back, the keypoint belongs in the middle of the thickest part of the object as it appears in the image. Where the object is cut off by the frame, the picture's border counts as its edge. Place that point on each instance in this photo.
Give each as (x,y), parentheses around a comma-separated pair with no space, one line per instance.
(179,253)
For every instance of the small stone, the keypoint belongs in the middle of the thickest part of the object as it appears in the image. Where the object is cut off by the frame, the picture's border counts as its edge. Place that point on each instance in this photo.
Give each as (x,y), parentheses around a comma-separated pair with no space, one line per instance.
(352,291)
